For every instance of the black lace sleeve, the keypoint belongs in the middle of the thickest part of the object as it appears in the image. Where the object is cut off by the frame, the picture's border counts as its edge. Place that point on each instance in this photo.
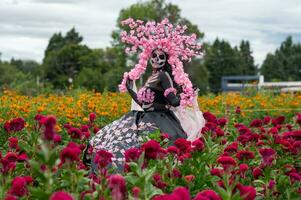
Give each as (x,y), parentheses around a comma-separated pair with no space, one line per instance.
(166,82)
(129,87)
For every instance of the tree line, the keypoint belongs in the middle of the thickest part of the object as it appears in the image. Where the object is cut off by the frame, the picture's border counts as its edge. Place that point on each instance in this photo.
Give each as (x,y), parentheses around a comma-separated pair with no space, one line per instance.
(69,63)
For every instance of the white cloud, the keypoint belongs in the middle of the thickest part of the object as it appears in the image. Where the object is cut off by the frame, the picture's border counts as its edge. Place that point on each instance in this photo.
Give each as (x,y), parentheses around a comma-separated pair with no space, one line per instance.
(27,25)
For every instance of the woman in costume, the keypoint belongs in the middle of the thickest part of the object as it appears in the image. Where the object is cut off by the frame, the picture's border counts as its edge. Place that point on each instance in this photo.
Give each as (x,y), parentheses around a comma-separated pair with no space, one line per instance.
(167,100)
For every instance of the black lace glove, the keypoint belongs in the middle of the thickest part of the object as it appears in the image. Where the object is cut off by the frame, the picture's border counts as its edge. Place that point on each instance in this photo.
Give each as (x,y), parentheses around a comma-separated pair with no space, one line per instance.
(129,87)
(166,82)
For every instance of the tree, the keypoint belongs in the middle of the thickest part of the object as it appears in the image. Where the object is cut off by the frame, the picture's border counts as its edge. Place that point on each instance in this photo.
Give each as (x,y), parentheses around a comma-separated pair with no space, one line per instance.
(284,63)
(223,60)
(247,65)
(65,57)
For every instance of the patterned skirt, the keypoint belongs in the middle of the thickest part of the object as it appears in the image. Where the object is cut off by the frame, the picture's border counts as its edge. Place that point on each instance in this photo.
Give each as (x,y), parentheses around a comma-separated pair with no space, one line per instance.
(129,130)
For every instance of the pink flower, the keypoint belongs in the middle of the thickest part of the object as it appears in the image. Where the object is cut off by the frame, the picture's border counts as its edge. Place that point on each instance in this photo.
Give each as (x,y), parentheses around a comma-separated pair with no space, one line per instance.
(136,191)
(170,90)
(61,195)
(145,95)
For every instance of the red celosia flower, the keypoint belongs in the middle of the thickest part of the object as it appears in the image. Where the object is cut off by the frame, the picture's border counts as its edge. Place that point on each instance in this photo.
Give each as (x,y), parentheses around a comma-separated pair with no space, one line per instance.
(158,181)
(237,110)
(244,130)
(210,117)
(198,145)
(132,154)
(222,122)
(245,155)
(295,177)
(176,173)
(49,123)
(179,193)
(61,195)
(268,155)
(207,195)
(183,145)
(246,192)
(136,191)
(67,126)
(22,156)
(13,142)
(256,123)
(103,158)
(18,187)
(219,132)
(117,186)
(242,169)
(278,120)
(173,150)
(298,118)
(57,138)
(232,148)
(226,161)
(257,172)
(92,117)
(211,126)
(266,120)
(151,149)
(217,172)
(70,153)
(10,197)
(14,125)
(75,133)
(271,184)
(96,129)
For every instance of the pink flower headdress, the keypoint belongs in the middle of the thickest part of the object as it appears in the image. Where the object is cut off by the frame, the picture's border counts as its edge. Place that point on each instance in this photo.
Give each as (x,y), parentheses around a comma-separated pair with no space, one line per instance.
(171,39)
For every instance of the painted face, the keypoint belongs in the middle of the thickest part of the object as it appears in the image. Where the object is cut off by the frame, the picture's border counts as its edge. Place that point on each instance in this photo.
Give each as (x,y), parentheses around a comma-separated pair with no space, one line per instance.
(158,59)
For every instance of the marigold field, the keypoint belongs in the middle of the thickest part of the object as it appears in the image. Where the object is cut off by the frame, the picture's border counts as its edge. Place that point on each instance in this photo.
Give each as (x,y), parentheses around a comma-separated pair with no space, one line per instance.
(250,149)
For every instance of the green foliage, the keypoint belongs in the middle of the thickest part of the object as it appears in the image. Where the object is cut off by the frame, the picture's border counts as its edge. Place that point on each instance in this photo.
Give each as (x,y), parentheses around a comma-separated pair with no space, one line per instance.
(284,63)
(222,60)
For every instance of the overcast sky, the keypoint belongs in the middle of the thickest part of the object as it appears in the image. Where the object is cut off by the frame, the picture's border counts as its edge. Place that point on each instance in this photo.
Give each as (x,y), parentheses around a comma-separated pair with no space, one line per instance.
(26,25)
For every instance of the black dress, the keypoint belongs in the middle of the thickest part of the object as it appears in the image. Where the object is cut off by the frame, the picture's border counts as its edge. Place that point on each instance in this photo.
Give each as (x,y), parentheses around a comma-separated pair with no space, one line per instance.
(129,130)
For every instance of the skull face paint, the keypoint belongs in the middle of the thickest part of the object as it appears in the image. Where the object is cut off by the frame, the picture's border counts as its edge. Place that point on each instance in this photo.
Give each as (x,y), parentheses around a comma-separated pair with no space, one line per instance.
(158,59)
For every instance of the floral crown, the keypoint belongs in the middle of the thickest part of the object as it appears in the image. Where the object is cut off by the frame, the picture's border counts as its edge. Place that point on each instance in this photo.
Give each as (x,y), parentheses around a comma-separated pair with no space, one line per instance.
(170,39)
